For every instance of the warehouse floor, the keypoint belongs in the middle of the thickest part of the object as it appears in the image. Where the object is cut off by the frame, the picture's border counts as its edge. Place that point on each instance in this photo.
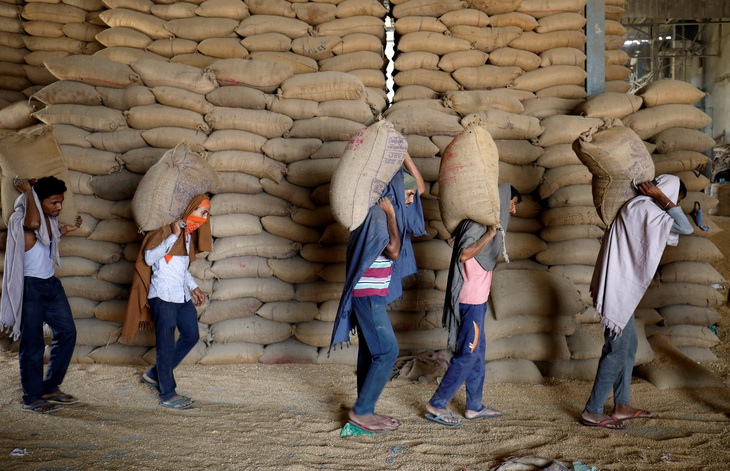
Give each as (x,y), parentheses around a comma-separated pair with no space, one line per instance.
(290,417)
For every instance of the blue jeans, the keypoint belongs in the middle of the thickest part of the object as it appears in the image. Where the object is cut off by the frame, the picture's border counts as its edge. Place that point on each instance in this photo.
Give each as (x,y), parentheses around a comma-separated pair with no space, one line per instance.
(169,352)
(614,368)
(377,351)
(44,300)
(467,364)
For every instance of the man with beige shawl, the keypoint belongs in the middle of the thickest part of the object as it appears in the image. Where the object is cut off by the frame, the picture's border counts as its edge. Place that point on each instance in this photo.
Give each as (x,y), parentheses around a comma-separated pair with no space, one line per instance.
(629,256)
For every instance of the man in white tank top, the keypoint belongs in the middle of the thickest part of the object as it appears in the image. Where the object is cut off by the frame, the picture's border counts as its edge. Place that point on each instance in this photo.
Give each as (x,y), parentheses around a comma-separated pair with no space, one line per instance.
(44,300)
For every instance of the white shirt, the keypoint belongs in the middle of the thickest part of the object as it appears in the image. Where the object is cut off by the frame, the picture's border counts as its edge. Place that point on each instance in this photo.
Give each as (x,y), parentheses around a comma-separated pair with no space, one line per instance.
(171,282)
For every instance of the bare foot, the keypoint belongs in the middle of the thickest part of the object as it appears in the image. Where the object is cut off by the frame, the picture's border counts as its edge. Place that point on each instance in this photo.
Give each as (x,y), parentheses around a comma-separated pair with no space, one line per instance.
(373,422)
(626,412)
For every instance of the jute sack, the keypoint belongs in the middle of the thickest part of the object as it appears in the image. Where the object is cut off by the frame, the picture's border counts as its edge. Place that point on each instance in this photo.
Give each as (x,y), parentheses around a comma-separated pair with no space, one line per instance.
(672,369)
(322,86)
(497,329)
(467,102)
(544,77)
(682,139)
(679,161)
(518,152)
(124,98)
(609,105)
(504,125)
(570,252)
(253,329)
(91,288)
(354,24)
(436,80)
(288,351)
(67,91)
(412,24)
(91,118)
(535,347)
(117,354)
(434,8)
(486,76)
(524,21)
(651,121)
(93,70)
(218,311)
(561,129)
(370,160)
(148,24)
(199,28)
(162,196)
(507,56)
(512,370)
(689,315)
(232,353)
(455,60)
(692,249)
(550,106)
(156,74)
(18,115)
(690,272)
(573,195)
(688,335)
(495,7)
(541,294)
(667,294)
(667,91)
(467,16)
(468,179)
(32,155)
(616,157)
(562,22)
(562,233)
(486,39)
(539,42)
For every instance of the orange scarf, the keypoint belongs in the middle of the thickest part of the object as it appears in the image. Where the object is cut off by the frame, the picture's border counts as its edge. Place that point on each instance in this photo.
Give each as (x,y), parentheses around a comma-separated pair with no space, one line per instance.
(139,315)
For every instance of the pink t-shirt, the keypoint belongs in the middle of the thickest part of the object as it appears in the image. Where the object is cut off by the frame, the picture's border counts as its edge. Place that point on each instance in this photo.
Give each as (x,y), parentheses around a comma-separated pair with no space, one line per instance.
(477,283)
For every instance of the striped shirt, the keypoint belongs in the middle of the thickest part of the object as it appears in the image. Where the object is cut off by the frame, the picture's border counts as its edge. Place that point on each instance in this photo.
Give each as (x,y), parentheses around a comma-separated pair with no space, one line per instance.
(376,279)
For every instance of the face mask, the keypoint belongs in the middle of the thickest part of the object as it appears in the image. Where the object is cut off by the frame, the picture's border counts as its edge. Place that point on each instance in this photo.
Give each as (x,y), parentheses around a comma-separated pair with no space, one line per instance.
(192,223)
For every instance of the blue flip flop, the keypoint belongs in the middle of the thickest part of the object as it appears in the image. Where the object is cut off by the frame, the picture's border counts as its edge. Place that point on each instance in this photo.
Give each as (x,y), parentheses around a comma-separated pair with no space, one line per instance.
(183,403)
(440,419)
(486,413)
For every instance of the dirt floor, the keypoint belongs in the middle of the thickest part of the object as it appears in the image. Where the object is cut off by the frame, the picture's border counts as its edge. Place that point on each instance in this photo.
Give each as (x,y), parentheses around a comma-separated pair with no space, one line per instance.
(289,417)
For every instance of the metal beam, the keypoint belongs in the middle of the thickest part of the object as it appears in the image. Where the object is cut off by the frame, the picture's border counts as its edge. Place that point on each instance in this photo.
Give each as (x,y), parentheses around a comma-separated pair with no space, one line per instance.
(596,47)
(684,9)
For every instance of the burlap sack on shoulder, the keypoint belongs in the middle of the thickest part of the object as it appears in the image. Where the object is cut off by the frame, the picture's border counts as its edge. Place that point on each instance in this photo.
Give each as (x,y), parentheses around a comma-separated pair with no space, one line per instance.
(170,184)
(615,156)
(468,179)
(371,158)
(32,155)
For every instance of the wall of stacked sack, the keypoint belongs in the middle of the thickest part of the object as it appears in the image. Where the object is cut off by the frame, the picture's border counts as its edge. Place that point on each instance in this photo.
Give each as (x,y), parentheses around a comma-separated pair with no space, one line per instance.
(275,126)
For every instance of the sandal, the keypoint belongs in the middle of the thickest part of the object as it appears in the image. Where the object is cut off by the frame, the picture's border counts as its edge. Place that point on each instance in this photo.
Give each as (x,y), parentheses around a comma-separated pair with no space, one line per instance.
(60,398)
(41,407)
(182,403)
(150,382)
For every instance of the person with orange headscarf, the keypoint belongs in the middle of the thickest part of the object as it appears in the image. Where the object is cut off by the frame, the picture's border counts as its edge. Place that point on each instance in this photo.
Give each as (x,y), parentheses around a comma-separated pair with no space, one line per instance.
(164,295)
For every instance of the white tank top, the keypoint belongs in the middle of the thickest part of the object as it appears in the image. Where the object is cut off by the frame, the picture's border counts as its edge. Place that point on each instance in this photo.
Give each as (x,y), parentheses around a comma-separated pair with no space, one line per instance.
(37,261)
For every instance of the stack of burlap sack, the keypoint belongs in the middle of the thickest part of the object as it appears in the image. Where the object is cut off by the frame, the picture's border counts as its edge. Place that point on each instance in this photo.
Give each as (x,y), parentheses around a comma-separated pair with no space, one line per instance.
(58,29)
(275,127)
(684,295)
(14,109)
(617,73)
(683,289)
(270,236)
